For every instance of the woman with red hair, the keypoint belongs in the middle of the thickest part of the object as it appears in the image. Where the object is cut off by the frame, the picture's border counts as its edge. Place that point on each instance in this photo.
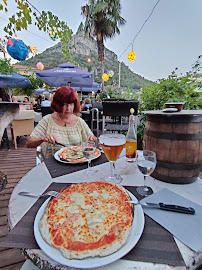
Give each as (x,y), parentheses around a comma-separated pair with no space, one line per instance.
(62,126)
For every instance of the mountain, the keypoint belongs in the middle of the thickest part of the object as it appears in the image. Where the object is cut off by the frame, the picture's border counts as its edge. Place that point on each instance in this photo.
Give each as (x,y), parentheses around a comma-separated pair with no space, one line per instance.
(82,48)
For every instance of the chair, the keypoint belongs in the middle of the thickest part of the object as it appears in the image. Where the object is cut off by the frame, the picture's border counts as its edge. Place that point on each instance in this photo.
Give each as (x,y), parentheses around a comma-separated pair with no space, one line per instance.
(116,109)
(96,117)
(23,124)
(46,110)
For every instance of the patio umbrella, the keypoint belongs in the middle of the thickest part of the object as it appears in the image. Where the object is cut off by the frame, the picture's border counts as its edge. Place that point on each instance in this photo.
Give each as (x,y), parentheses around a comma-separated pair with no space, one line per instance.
(94,88)
(66,74)
(14,80)
(41,91)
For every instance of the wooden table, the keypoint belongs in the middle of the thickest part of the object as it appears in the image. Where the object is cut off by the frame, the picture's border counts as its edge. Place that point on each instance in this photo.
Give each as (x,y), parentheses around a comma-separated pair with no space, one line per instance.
(38,179)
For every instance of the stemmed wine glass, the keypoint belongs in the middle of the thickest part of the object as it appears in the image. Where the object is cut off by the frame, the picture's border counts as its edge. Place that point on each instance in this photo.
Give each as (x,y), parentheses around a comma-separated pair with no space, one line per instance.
(112,145)
(146,163)
(88,149)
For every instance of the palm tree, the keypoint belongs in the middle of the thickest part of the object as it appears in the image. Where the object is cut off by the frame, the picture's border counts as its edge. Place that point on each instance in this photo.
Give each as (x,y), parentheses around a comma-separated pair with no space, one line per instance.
(102,21)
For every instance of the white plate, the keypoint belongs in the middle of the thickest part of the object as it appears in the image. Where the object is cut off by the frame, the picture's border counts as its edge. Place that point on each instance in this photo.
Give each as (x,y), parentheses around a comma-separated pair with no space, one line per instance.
(56,156)
(91,262)
(170,110)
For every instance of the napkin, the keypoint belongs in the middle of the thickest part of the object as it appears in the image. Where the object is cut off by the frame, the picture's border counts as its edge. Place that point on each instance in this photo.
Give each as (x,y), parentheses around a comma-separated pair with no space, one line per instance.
(186,228)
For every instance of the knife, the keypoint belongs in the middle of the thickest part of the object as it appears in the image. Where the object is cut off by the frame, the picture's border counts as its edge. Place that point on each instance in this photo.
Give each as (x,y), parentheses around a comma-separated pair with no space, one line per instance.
(168,207)
(60,144)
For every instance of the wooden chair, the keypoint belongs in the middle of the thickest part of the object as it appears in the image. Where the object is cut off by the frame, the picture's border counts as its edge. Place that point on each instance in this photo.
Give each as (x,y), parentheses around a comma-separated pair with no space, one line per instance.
(117,109)
(22,125)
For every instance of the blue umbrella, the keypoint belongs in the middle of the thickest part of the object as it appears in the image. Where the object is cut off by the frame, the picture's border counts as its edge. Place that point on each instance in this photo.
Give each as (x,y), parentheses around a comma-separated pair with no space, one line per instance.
(14,80)
(66,74)
(94,88)
(41,91)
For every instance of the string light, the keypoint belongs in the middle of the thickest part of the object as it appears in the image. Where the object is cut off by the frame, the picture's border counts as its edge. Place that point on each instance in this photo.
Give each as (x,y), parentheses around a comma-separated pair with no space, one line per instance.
(131,44)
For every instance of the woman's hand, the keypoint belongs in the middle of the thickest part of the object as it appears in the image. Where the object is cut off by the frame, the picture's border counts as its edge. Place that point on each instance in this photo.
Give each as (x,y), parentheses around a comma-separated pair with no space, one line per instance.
(91,138)
(50,139)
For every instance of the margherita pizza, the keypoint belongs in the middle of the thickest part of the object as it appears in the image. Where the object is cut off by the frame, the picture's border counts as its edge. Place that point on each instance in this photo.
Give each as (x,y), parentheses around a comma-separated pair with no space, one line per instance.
(74,154)
(90,219)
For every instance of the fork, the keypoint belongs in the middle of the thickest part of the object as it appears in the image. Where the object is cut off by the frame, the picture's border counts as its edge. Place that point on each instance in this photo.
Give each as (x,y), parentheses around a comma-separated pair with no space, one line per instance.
(49,193)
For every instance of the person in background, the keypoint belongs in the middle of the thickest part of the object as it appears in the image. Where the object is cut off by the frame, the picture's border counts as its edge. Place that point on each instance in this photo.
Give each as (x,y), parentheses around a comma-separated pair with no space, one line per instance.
(37,105)
(3,95)
(14,99)
(61,126)
(46,102)
(28,106)
(87,104)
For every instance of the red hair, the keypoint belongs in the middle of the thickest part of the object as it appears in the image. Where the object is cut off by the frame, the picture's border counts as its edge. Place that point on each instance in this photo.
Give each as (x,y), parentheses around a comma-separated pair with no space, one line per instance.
(65,94)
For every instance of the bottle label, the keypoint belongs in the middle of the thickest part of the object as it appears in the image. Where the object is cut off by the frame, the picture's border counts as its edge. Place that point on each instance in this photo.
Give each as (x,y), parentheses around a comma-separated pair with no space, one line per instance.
(131,148)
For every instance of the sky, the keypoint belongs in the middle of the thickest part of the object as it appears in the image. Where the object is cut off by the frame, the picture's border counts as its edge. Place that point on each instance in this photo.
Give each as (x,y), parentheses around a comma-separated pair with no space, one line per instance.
(172,37)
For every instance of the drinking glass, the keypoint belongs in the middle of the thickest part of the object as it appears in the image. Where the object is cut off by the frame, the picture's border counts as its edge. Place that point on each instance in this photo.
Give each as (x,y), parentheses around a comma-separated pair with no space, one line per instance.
(112,145)
(146,163)
(88,149)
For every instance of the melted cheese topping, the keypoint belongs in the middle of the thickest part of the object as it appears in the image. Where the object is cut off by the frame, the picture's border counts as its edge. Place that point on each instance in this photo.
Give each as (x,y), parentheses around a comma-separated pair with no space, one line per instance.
(89,211)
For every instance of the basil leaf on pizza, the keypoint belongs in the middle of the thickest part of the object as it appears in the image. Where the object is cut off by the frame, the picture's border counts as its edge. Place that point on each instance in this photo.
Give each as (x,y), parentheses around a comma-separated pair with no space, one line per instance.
(90,219)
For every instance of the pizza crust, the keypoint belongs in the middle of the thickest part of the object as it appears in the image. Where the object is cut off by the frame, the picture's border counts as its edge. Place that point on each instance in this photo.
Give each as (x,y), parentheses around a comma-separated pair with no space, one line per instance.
(104,250)
(43,228)
(100,252)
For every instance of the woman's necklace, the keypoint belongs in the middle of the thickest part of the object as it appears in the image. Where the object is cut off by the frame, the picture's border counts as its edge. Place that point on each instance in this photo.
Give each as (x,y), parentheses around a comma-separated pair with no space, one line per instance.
(64,124)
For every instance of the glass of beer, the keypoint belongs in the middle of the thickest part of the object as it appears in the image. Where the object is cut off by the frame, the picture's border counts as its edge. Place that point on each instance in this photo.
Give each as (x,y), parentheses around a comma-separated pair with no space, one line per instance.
(112,145)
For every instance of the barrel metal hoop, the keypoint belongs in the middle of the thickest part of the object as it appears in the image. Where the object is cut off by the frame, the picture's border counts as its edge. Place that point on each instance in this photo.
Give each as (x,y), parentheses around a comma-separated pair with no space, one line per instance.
(175,118)
(174,180)
(179,166)
(173,136)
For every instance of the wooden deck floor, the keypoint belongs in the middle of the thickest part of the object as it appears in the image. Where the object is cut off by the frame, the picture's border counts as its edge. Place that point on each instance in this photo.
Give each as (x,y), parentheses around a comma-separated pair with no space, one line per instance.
(15,164)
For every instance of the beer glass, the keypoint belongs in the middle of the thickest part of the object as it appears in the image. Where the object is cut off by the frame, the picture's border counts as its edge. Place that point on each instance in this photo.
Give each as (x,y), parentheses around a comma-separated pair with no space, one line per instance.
(146,163)
(112,145)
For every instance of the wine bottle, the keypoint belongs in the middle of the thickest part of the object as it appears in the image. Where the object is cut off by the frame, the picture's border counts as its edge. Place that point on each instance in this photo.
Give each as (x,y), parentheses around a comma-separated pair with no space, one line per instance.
(131,139)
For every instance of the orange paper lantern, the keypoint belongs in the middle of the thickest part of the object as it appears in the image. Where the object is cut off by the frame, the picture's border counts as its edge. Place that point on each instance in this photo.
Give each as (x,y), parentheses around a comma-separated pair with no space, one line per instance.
(40,66)
(105,77)
(131,55)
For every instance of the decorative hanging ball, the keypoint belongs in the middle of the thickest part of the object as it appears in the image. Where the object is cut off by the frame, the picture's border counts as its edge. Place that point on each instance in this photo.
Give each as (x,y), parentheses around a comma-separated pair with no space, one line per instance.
(105,77)
(44,85)
(53,35)
(33,49)
(17,49)
(40,66)
(131,55)
(110,73)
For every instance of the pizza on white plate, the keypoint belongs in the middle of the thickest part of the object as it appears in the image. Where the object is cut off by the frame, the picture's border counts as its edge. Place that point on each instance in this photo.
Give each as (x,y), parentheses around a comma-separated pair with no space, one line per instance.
(75,154)
(90,219)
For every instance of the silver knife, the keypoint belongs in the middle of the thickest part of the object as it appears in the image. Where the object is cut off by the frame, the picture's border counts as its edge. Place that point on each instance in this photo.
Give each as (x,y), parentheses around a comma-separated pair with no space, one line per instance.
(168,207)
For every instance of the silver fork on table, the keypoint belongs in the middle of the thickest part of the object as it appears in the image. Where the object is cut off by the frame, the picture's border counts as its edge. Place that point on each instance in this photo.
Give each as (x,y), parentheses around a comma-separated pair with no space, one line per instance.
(49,193)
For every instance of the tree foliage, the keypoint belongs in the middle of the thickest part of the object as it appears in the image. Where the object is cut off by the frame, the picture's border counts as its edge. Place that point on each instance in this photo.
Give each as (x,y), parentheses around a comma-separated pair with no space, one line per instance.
(185,88)
(113,91)
(173,89)
(27,14)
(36,83)
(102,21)
(5,66)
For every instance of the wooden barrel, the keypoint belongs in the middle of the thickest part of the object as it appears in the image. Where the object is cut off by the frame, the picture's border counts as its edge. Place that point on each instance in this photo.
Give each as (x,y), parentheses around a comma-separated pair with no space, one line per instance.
(177,140)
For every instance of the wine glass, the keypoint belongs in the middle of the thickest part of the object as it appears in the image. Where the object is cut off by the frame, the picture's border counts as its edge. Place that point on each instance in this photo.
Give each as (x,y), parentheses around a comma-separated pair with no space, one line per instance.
(88,149)
(112,145)
(146,163)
